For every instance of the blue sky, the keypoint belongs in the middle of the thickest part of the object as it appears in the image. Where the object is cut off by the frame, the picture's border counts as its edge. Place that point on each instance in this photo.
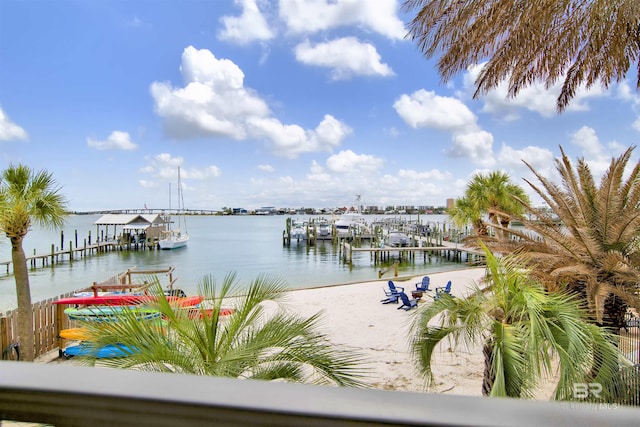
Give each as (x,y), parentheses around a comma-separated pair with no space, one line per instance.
(285,103)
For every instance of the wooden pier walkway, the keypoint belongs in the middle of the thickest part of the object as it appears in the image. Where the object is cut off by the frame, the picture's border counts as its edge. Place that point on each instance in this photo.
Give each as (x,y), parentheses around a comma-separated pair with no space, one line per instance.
(70,254)
(449,250)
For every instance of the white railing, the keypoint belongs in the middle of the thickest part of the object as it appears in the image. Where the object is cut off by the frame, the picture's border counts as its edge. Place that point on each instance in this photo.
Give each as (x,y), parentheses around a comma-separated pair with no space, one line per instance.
(70,395)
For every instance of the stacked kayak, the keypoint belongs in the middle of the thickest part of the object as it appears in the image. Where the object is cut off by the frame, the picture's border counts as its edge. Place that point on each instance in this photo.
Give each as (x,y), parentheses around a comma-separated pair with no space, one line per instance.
(109,308)
(110,313)
(108,351)
(74,334)
(127,299)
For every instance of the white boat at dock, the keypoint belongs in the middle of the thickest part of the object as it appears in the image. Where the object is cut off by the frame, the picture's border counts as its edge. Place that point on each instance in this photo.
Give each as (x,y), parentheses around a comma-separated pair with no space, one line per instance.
(351,222)
(323,229)
(175,237)
(397,238)
(298,230)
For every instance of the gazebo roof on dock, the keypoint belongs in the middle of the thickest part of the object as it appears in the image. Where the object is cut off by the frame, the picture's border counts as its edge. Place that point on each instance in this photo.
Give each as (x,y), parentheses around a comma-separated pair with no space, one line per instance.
(131,221)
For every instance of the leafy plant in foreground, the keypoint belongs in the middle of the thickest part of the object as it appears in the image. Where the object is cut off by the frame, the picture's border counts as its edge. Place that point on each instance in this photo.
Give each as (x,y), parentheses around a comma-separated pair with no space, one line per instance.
(259,340)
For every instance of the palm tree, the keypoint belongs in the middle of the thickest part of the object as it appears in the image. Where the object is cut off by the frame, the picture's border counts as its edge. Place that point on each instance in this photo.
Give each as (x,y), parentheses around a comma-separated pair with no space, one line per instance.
(521,327)
(464,213)
(27,198)
(256,341)
(595,251)
(574,41)
(492,194)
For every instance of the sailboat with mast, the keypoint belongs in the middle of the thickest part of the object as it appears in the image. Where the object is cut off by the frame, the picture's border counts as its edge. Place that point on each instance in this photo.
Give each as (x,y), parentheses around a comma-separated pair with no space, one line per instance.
(176,236)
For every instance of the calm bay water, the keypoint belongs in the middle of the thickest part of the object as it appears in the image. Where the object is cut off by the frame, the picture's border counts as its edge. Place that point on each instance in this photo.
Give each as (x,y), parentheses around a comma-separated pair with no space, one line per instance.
(246,245)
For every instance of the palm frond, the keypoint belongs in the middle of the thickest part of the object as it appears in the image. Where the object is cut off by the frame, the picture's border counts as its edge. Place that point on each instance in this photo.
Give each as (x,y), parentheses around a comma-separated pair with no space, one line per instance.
(523,325)
(579,43)
(596,249)
(509,365)
(252,342)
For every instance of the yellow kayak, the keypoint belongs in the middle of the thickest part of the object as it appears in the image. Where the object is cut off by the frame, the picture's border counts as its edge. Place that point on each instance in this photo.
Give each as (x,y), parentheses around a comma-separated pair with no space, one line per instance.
(82,334)
(74,334)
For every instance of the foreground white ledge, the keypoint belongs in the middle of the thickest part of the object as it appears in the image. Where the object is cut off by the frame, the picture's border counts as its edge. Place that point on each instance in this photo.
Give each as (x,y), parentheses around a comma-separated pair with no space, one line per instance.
(70,395)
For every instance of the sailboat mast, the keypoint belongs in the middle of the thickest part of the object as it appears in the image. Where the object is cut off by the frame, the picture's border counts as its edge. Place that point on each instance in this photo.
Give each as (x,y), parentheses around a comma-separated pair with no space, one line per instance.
(181,202)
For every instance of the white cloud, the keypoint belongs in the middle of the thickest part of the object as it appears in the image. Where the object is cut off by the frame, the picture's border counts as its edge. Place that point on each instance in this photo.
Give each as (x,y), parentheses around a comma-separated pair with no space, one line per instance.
(538,157)
(534,97)
(476,146)
(215,103)
(266,168)
(346,173)
(246,28)
(349,162)
(588,141)
(165,166)
(345,57)
(200,174)
(10,131)
(432,175)
(292,140)
(593,151)
(118,140)
(311,16)
(426,109)
(626,93)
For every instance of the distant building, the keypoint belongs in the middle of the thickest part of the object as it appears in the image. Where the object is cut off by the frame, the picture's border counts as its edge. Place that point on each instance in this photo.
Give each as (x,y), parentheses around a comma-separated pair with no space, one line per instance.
(451,203)
(266,210)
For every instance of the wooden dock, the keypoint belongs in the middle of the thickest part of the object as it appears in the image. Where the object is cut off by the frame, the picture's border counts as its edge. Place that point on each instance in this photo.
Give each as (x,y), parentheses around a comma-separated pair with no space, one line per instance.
(57,256)
(445,249)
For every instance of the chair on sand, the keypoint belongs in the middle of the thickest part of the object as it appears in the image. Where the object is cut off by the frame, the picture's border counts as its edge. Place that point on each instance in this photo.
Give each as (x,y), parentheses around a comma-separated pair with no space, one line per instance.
(393,289)
(443,290)
(407,304)
(424,285)
(391,299)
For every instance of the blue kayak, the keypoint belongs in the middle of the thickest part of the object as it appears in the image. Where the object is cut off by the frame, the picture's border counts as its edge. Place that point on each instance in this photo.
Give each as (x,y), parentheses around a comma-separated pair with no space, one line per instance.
(106,352)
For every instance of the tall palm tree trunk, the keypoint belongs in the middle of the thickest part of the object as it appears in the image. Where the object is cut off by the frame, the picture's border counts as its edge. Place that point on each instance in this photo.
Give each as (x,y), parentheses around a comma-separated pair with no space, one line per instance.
(23,293)
(615,309)
(489,376)
(480,227)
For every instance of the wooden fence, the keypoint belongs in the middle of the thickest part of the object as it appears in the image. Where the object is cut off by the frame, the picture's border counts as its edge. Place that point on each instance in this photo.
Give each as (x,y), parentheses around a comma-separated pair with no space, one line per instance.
(48,320)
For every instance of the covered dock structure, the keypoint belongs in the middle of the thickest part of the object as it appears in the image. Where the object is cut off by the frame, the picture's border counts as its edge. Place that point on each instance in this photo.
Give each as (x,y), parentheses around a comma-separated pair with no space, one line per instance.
(131,228)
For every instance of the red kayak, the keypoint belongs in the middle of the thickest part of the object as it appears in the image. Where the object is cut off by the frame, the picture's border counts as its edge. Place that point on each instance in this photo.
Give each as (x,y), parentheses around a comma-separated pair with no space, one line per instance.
(125,299)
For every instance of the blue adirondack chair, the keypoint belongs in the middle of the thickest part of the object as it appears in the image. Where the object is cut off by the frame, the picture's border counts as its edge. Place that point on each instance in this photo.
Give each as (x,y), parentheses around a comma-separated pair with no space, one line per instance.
(424,285)
(443,290)
(407,304)
(393,299)
(393,289)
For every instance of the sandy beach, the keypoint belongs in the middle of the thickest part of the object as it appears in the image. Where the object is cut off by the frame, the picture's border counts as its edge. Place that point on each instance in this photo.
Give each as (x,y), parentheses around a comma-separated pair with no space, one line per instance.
(355,317)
